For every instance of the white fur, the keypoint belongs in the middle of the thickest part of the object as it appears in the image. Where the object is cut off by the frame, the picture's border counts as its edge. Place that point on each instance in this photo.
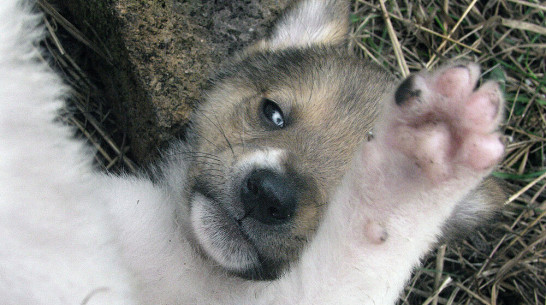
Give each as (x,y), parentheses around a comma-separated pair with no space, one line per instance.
(71,236)
(311,22)
(57,245)
(236,254)
(266,158)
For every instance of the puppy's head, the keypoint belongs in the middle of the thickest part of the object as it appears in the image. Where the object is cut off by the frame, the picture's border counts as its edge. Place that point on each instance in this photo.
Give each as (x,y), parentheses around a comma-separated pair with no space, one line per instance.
(274,136)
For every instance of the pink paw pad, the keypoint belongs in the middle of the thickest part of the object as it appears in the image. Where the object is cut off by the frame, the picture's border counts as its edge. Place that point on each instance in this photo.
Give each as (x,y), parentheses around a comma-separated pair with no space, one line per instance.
(441,121)
(458,80)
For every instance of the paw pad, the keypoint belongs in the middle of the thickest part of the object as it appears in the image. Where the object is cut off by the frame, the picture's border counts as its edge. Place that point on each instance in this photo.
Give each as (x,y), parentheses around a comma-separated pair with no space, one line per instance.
(406,92)
(452,123)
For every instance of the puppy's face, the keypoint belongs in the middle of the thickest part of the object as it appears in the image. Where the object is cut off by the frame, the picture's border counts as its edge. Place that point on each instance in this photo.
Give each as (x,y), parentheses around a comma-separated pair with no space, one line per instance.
(269,143)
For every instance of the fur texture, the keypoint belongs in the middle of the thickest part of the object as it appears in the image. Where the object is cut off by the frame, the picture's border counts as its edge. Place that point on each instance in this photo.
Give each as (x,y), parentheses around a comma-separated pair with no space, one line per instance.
(57,244)
(365,211)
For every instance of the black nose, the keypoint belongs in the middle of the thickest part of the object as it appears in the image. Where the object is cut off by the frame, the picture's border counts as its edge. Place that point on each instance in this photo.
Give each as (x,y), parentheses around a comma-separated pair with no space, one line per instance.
(269,197)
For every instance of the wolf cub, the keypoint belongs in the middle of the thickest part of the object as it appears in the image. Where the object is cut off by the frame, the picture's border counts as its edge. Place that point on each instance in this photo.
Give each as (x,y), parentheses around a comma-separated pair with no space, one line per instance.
(277,197)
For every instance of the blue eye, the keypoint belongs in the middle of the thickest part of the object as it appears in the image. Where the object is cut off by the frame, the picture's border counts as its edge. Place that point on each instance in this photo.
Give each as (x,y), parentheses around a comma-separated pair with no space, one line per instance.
(273,113)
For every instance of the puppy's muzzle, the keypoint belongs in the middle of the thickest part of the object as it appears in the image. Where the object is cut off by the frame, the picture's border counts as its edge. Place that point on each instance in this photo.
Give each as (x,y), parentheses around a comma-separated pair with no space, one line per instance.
(269,197)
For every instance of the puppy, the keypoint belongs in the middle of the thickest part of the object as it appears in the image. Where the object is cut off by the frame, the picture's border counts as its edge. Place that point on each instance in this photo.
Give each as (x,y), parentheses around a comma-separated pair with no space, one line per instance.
(277,197)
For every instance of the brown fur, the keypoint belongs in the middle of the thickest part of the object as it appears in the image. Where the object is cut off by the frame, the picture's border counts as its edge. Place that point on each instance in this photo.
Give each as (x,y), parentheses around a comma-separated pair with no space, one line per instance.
(330,102)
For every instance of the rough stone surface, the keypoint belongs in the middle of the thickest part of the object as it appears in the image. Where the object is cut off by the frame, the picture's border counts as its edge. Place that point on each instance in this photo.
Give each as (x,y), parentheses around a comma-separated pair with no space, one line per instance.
(159,53)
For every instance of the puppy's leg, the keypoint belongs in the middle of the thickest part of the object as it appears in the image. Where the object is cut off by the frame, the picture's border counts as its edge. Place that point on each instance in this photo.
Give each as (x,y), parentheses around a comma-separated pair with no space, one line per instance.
(435,142)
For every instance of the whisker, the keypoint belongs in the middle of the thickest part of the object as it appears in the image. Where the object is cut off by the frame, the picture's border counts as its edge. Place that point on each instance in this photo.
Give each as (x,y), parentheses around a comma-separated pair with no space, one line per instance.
(224,135)
(242,135)
(204,159)
(198,134)
(218,127)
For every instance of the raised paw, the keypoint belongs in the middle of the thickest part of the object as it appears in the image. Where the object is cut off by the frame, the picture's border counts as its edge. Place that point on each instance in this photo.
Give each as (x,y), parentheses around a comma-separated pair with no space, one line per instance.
(441,122)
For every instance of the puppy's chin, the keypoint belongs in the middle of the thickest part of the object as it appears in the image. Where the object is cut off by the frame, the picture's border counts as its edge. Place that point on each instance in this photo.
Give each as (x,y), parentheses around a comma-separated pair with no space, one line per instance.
(221,239)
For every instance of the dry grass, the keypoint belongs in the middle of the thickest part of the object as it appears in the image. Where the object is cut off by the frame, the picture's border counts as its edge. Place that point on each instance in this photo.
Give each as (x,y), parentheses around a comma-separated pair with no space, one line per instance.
(88,110)
(504,265)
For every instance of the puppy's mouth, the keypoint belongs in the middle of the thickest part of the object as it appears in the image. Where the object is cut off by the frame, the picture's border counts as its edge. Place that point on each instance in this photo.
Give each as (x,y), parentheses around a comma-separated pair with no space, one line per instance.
(253,219)
(223,237)
(220,235)
(247,227)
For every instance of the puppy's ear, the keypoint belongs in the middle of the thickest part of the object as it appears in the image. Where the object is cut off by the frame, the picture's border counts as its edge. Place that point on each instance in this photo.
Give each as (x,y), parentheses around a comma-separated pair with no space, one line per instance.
(310,22)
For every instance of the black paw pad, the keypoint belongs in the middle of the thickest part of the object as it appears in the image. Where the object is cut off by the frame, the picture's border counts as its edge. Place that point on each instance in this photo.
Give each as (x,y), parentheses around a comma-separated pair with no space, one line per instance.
(405,91)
